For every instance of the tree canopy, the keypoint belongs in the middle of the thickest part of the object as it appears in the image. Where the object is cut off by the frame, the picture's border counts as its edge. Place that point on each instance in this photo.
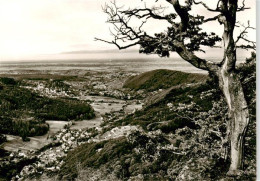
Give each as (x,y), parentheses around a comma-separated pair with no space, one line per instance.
(185,33)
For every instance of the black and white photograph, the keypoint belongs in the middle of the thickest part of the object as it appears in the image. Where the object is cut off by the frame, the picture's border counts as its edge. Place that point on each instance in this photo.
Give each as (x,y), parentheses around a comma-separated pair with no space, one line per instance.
(117,90)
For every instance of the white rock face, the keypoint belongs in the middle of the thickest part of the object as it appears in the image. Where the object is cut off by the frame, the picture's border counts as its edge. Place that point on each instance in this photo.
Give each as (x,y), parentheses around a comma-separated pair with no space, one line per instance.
(116,133)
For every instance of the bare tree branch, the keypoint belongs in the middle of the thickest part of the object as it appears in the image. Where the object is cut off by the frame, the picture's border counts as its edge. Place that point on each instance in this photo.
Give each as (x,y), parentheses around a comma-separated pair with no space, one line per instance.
(212,19)
(247,47)
(207,7)
(124,32)
(243,36)
(115,43)
(172,40)
(149,13)
(242,8)
(243,33)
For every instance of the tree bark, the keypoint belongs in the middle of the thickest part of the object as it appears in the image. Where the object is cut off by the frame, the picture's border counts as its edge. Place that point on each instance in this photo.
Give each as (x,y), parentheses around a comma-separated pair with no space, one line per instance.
(231,87)
(230,84)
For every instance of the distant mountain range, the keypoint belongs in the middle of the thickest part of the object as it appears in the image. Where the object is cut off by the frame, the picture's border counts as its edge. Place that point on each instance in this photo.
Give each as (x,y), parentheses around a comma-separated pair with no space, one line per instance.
(210,52)
(102,51)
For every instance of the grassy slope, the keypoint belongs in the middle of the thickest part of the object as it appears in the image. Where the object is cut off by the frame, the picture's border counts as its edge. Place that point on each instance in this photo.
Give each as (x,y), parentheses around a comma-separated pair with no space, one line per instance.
(162,79)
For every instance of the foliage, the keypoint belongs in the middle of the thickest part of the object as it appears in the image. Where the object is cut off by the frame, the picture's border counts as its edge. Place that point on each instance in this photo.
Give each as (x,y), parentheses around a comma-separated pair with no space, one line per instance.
(10,169)
(58,85)
(176,110)
(29,127)
(24,113)
(122,157)
(8,81)
(94,155)
(65,109)
(162,43)
(248,77)
(2,138)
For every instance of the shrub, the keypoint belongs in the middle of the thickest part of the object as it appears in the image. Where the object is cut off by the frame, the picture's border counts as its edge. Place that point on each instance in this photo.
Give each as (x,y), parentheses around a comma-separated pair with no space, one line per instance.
(8,81)
(94,155)
(65,109)
(2,138)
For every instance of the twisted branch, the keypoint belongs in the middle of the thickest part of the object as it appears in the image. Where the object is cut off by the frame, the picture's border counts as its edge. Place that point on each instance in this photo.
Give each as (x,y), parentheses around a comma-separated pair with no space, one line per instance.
(243,36)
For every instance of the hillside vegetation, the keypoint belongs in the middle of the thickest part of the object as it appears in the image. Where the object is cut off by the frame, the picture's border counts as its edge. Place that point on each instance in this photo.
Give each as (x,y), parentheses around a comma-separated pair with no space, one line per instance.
(182,136)
(163,79)
(23,112)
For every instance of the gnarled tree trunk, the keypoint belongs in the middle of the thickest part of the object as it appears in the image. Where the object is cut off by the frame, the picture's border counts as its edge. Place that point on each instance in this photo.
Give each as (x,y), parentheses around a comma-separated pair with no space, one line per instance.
(230,84)
(231,87)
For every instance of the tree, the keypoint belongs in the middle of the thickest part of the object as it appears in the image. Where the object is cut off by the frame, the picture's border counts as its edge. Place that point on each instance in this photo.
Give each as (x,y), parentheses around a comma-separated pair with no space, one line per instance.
(185,36)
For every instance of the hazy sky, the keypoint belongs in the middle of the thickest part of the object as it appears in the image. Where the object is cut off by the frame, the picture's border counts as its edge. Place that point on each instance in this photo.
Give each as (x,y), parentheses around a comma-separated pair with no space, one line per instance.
(40,27)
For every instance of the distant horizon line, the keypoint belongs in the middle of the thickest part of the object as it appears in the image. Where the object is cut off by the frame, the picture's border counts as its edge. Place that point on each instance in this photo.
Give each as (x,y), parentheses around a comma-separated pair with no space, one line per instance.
(88,59)
(101,51)
(104,54)
(93,59)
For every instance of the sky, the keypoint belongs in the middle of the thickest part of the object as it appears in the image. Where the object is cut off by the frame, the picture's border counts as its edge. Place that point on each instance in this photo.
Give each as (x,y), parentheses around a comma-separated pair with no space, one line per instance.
(39,29)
